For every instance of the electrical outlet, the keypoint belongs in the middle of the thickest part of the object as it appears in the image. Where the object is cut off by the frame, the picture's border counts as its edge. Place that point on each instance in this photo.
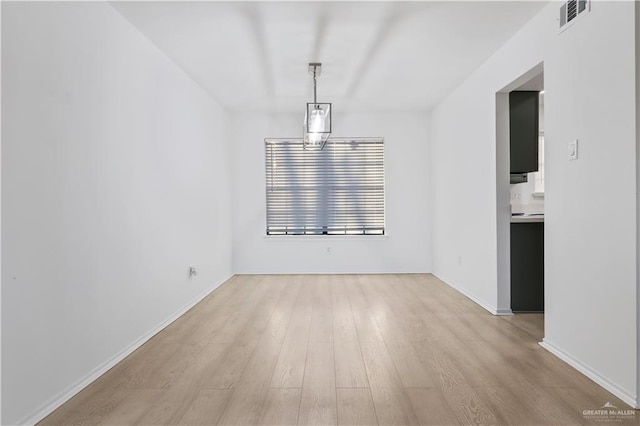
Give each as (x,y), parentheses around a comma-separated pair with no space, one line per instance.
(192,271)
(328,250)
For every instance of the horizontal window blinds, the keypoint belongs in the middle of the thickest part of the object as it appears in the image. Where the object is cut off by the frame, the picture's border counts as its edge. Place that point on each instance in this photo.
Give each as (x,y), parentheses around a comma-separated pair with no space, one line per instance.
(336,191)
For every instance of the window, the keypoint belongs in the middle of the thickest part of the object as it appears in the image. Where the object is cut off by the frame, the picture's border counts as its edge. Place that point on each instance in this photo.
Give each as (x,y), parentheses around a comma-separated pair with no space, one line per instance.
(336,191)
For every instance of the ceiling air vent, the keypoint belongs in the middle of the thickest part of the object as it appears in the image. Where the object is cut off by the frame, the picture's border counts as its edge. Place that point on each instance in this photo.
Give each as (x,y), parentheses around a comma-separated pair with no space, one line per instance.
(571,10)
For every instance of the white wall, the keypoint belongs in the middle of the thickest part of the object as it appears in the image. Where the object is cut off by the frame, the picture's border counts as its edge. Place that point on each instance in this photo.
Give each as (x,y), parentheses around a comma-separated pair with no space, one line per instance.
(405,248)
(115,178)
(590,246)
(637,15)
(0,224)
(590,204)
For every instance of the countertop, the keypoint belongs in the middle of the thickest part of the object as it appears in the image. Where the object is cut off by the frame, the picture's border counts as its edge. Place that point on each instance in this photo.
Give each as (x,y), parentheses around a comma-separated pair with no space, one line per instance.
(527,218)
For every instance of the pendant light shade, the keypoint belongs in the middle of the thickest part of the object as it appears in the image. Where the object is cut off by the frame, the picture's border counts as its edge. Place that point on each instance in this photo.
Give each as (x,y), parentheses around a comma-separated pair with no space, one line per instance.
(317,117)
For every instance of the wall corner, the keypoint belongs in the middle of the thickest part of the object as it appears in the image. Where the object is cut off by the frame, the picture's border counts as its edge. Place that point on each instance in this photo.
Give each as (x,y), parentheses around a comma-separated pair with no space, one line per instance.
(637,120)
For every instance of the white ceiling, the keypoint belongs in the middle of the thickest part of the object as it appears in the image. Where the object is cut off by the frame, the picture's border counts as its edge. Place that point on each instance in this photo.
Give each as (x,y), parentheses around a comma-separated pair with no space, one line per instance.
(387,56)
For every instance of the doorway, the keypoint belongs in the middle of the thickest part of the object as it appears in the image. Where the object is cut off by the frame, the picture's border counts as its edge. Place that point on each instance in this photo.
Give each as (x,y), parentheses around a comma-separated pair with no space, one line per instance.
(520,196)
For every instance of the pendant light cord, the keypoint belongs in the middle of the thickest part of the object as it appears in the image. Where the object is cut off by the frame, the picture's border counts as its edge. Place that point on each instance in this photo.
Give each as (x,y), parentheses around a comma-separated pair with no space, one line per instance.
(315,101)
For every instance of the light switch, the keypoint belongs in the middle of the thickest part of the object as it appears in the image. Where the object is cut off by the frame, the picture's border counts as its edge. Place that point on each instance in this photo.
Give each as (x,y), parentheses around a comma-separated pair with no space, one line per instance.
(573,150)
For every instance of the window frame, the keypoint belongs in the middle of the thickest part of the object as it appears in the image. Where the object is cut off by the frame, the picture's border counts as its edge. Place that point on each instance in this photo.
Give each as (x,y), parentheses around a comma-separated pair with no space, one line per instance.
(324,229)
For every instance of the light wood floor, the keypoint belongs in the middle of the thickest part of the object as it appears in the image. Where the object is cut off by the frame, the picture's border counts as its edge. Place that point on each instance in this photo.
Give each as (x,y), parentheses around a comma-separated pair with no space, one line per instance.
(340,349)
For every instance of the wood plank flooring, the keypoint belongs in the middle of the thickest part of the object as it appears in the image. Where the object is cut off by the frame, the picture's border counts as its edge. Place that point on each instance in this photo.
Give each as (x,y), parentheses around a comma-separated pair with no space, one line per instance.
(340,349)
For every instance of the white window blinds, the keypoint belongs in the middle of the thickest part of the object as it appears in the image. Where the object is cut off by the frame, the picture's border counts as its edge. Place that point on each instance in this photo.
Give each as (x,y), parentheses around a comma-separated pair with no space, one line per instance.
(336,191)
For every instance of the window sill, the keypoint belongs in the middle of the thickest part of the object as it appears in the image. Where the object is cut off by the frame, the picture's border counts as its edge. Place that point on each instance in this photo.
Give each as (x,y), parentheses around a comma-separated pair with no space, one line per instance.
(325,238)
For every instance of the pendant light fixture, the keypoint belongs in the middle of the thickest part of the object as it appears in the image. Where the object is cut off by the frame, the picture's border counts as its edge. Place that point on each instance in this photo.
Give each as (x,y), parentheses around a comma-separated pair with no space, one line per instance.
(317,117)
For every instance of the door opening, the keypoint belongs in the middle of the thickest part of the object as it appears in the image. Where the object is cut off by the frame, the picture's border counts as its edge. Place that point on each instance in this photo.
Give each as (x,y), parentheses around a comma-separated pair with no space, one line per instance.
(520,194)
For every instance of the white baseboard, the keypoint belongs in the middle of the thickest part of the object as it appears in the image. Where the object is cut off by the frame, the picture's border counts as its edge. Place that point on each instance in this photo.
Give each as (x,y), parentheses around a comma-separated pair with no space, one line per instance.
(590,373)
(487,306)
(47,408)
